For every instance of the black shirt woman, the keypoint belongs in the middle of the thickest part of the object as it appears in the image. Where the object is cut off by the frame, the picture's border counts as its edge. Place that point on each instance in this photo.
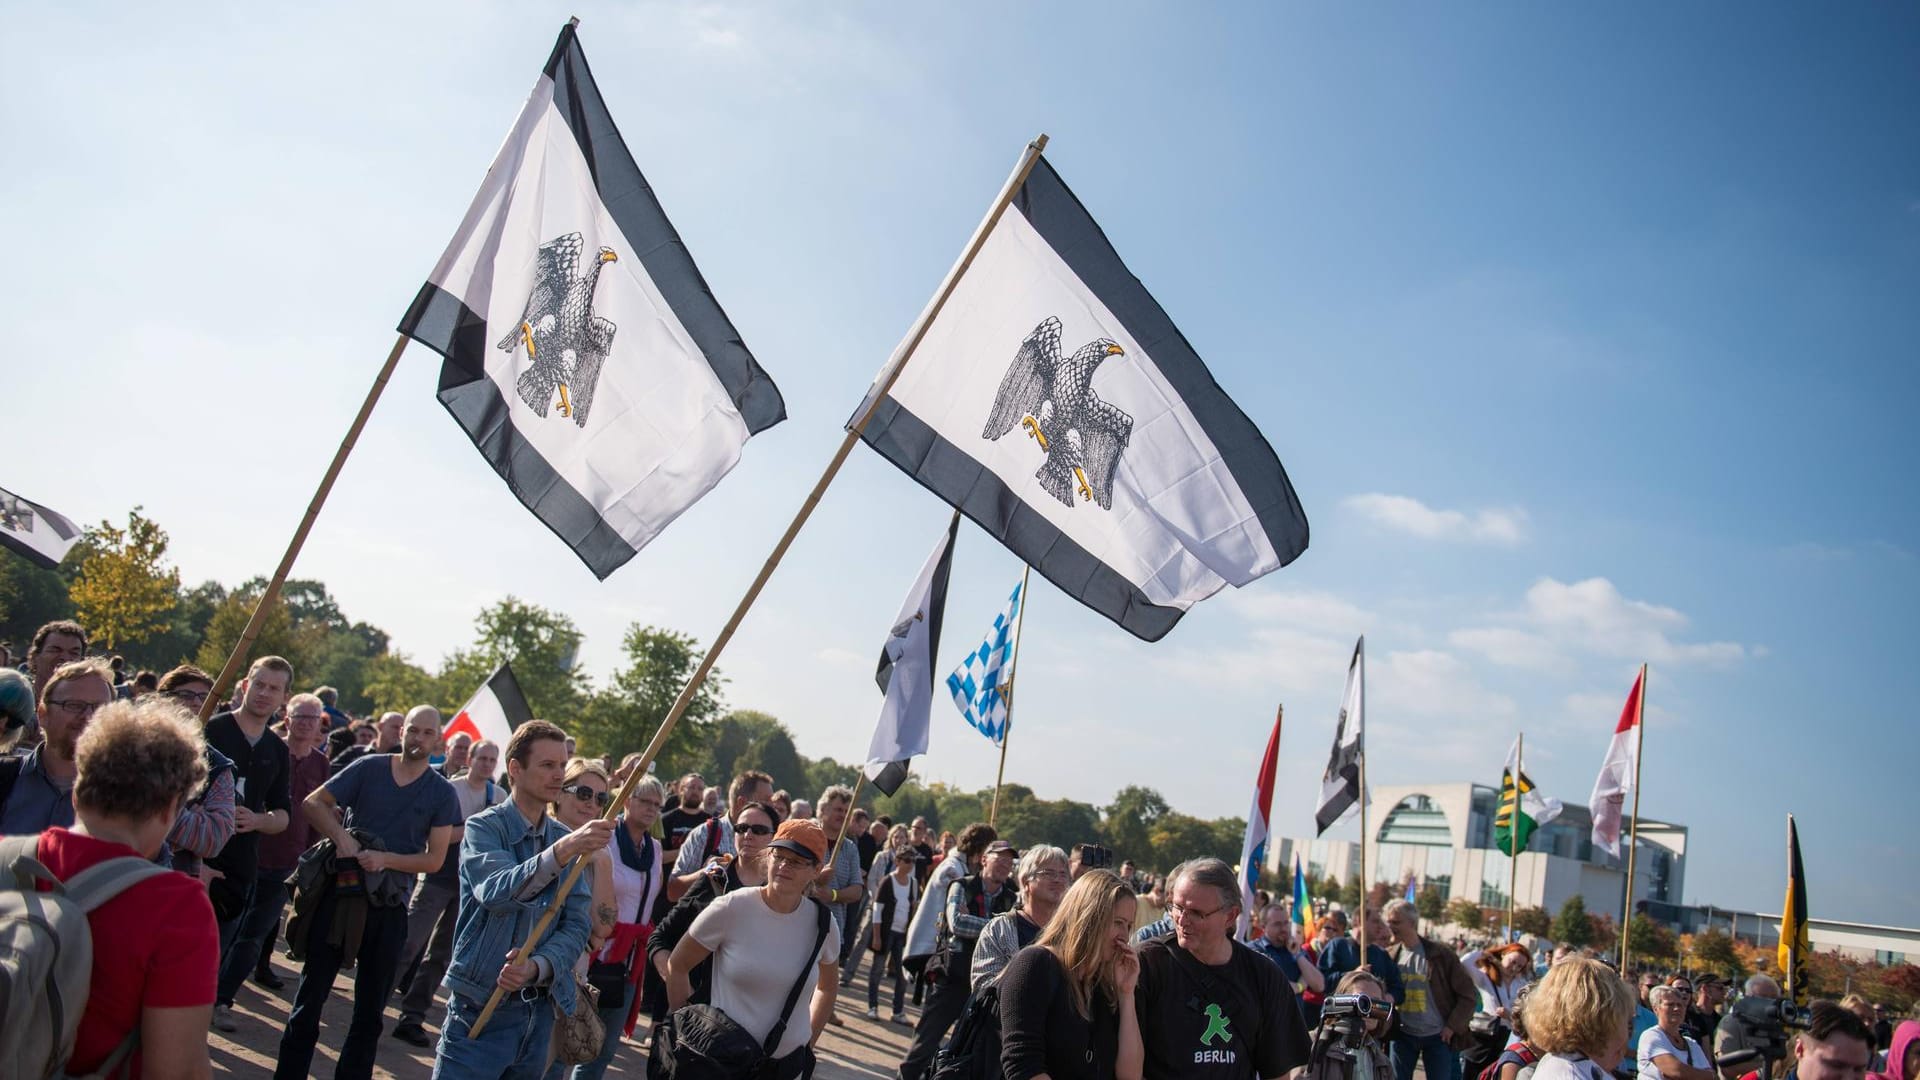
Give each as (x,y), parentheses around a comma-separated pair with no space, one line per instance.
(1066,1001)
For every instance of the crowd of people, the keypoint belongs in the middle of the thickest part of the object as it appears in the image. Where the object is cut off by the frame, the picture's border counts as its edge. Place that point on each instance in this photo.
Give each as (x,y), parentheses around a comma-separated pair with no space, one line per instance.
(727,923)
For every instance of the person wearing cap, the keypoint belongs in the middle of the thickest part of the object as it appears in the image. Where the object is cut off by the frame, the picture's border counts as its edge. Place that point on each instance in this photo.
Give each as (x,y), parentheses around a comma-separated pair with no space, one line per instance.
(971,904)
(760,939)
(1703,1016)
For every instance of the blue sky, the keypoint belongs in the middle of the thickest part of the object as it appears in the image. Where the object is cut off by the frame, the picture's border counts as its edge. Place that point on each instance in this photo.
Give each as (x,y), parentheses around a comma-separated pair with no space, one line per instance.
(1587,334)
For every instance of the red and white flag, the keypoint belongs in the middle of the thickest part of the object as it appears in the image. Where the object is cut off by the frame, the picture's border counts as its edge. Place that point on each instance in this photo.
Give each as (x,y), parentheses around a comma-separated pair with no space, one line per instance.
(1619,772)
(1253,848)
(496,709)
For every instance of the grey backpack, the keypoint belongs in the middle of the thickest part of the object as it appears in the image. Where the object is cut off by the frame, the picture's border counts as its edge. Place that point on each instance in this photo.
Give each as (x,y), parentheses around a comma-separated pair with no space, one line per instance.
(46,957)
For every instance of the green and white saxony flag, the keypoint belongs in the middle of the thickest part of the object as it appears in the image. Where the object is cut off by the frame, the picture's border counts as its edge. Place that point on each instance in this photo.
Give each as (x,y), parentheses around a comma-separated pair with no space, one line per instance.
(1522,809)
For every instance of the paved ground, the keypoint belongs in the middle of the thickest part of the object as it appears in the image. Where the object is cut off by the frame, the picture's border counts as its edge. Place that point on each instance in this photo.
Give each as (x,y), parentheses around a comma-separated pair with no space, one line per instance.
(863,1049)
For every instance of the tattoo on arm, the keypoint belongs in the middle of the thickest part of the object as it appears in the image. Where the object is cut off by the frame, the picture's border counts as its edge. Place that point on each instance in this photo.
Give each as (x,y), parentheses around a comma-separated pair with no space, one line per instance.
(606,914)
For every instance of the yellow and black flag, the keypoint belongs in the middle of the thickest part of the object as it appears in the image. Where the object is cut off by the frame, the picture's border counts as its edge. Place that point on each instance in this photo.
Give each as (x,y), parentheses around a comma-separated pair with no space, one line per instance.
(1793,920)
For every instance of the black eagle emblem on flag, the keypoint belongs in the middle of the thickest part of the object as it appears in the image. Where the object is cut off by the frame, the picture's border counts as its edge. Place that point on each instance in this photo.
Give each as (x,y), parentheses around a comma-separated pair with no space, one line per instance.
(566,342)
(1081,435)
(15,514)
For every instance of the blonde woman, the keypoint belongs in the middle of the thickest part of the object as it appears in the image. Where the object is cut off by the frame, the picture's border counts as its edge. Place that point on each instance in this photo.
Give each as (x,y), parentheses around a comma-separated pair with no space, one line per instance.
(1579,1017)
(1066,1001)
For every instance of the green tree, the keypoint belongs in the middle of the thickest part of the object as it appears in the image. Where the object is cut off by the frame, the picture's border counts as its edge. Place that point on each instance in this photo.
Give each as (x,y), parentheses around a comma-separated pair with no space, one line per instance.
(125,589)
(1327,888)
(626,715)
(1129,821)
(1572,926)
(1429,903)
(1713,950)
(277,636)
(1465,914)
(541,645)
(776,756)
(1177,837)
(179,640)
(1533,920)
(394,683)
(1350,894)
(1648,940)
(31,597)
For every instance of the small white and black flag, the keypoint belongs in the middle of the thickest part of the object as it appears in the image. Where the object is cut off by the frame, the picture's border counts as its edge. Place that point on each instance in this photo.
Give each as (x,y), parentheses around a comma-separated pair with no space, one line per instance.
(37,533)
(1054,402)
(1340,790)
(906,671)
(584,354)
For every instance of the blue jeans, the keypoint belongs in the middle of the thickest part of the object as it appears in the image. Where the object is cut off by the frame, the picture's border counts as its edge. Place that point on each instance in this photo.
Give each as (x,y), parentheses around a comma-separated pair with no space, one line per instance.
(254,933)
(513,1045)
(1441,1062)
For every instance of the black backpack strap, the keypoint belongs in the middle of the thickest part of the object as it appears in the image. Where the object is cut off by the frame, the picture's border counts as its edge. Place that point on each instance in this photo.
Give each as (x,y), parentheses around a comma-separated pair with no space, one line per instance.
(9,775)
(799,984)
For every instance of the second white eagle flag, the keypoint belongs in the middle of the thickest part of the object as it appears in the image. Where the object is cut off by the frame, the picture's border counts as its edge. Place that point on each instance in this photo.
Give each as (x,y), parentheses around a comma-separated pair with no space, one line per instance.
(905,673)
(1054,402)
(585,355)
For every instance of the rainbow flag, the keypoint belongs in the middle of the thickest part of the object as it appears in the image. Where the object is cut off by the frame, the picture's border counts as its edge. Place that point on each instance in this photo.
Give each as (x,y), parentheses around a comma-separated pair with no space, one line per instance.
(1302,903)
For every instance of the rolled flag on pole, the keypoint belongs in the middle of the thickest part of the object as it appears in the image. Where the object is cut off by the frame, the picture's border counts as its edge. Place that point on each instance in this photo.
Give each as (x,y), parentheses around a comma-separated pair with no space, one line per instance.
(1615,782)
(1253,847)
(494,711)
(1793,921)
(1302,904)
(1340,792)
(38,534)
(1054,402)
(584,354)
(1522,809)
(977,685)
(906,670)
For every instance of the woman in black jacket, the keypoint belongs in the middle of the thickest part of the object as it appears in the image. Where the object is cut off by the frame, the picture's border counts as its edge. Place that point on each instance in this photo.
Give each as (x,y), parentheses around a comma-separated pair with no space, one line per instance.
(752,832)
(1066,1001)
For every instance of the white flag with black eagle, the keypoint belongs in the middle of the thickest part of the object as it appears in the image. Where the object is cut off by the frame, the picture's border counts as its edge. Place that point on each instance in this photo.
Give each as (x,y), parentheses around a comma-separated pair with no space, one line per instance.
(1054,402)
(585,355)
(38,534)
(905,674)
(1340,787)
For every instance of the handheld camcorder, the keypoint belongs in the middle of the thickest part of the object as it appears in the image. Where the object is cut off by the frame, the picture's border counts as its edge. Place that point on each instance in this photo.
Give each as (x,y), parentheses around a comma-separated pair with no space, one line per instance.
(1343,1027)
(1764,1023)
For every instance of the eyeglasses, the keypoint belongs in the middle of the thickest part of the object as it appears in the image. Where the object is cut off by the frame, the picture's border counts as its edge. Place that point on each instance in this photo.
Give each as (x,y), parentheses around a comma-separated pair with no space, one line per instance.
(587,794)
(194,696)
(1185,913)
(785,858)
(754,830)
(77,709)
(1050,875)
(655,803)
(298,716)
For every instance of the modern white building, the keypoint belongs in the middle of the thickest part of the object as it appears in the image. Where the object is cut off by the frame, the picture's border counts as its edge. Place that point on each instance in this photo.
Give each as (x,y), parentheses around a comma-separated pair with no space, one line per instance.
(1442,835)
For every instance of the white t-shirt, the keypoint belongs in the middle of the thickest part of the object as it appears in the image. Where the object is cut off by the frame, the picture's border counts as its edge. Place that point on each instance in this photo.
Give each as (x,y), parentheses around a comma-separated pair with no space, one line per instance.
(757,954)
(1654,1042)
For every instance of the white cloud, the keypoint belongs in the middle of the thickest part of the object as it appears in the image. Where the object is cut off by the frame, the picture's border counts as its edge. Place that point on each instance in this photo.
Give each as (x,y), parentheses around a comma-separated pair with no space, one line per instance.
(1593,615)
(1510,647)
(1505,526)
(1322,611)
(835,656)
(1429,682)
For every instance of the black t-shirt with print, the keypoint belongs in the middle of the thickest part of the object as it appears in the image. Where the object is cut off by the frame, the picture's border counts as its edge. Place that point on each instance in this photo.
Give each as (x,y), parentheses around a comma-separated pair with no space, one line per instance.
(677,823)
(1231,1022)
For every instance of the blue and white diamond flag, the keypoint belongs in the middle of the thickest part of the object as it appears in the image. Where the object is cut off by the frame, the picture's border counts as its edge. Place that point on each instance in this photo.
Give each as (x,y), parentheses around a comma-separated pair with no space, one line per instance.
(978,684)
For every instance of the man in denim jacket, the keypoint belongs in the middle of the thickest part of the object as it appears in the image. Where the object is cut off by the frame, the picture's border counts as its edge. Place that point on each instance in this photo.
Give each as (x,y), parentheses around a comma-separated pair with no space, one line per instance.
(512,861)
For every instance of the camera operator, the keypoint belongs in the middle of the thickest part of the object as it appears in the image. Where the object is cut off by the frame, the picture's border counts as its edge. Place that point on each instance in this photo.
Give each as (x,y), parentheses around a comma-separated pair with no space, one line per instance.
(1734,1035)
(1349,1044)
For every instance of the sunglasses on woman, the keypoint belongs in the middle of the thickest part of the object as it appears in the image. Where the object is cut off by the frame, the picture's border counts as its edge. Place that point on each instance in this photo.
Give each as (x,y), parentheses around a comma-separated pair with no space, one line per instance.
(754,829)
(586,793)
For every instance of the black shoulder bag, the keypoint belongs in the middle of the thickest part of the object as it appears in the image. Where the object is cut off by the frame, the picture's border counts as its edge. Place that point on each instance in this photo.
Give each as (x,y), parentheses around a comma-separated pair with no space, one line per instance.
(700,1042)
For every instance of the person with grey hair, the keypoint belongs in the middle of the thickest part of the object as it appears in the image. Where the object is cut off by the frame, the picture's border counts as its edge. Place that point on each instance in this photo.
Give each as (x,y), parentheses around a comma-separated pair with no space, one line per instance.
(1436,1014)
(1666,1051)
(1042,876)
(802,809)
(1731,1036)
(1209,1005)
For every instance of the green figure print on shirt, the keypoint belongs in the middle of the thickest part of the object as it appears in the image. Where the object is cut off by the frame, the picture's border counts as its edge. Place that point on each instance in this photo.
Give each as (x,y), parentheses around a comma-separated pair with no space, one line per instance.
(1216,1025)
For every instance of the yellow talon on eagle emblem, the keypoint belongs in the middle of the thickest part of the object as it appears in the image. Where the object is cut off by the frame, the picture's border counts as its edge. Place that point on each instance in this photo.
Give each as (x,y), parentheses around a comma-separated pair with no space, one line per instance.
(1086,492)
(566,406)
(1033,429)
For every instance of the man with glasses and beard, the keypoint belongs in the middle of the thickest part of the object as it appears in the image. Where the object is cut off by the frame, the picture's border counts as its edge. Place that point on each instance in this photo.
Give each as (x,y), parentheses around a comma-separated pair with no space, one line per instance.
(54,645)
(1208,1005)
(399,817)
(36,791)
(683,816)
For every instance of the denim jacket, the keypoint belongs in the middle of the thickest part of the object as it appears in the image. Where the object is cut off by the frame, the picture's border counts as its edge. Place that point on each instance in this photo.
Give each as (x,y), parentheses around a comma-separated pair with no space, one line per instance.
(500,855)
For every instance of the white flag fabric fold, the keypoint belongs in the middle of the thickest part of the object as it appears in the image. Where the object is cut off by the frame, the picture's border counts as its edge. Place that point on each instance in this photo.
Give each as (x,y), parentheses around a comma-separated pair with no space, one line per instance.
(905,674)
(1522,808)
(1340,789)
(38,534)
(1054,402)
(584,354)
(1614,786)
(977,685)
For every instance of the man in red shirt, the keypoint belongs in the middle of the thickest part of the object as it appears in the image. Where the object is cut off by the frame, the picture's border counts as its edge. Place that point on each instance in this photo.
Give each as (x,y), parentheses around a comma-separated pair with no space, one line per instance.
(155,946)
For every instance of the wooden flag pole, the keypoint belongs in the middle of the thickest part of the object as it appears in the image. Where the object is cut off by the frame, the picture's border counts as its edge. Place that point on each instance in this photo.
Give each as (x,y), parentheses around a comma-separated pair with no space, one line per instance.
(1013,669)
(834,851)
(1633,827)
(1513,821)
(264,605)
(888,377)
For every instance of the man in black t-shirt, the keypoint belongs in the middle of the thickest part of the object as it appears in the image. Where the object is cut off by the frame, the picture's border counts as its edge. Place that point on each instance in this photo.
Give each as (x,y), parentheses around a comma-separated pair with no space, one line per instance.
(262,774)
(922,838)
(1208,1005)
(684,817)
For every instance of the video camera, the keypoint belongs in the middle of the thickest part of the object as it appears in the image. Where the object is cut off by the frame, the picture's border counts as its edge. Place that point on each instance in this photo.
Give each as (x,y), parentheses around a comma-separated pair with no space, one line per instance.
(1344,1019)
(1763,1023)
